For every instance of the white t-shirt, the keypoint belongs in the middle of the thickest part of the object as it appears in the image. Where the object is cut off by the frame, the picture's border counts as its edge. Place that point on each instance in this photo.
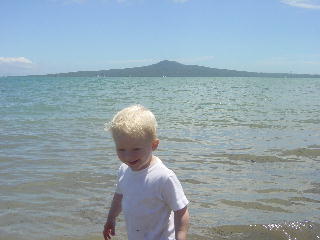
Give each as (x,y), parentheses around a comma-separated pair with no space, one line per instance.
(149,197)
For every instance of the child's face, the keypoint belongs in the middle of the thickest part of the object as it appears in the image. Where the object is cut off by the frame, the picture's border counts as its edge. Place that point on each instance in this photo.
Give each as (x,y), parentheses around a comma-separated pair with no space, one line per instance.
(135,152)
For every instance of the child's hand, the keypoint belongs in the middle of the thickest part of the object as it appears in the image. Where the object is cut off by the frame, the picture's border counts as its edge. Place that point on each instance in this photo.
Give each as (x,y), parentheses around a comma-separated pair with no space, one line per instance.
(109,229)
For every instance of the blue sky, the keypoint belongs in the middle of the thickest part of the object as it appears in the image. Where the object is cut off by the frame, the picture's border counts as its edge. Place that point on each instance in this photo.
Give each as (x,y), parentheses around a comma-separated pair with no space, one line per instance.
(50,36)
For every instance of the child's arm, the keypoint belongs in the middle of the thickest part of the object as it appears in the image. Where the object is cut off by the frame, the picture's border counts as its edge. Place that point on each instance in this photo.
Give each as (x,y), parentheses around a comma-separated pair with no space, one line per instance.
(181,223)
(109,227)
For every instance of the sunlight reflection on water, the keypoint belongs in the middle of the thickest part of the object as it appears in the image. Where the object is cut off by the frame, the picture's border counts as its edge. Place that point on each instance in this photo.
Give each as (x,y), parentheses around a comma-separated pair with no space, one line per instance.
(246,151)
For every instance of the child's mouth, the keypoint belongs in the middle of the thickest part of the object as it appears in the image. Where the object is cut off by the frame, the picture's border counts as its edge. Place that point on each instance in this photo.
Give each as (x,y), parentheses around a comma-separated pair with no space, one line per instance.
(133,163)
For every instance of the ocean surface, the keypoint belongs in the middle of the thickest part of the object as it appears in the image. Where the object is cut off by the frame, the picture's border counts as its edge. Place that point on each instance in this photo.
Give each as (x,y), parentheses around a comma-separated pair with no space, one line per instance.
(246,150)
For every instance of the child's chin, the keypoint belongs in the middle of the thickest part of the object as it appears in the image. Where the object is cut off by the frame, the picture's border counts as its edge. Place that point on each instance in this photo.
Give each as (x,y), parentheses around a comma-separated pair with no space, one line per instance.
(138,167)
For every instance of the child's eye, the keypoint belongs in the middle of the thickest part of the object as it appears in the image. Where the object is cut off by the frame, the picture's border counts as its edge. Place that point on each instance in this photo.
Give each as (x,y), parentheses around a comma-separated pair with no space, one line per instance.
(120,150)
(136,149)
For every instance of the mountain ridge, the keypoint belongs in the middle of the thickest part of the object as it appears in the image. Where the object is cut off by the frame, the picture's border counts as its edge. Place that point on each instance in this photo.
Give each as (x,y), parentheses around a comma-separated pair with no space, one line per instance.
(168,68)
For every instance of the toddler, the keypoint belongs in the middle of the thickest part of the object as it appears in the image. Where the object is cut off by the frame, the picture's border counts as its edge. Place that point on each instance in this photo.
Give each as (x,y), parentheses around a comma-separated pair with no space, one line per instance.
(150,195)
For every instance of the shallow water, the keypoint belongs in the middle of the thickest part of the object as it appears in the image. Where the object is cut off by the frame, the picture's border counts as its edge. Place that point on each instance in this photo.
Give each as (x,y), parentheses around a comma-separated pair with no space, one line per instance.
(246,150)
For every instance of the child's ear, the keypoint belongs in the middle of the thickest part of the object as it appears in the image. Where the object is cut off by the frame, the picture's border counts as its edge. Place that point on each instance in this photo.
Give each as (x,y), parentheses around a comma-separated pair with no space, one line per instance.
(155,144)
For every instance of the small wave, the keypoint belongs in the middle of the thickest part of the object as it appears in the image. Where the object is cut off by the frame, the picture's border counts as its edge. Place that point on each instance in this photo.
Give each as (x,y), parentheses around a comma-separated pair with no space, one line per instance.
(253,205)
(303,152)
(178,140)
(315,188)
(275,190)
(193,181)
(283,231)
(251,158)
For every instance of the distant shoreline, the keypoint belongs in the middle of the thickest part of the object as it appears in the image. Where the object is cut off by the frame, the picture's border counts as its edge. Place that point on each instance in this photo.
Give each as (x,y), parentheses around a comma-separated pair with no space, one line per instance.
(174,69)
(53,77)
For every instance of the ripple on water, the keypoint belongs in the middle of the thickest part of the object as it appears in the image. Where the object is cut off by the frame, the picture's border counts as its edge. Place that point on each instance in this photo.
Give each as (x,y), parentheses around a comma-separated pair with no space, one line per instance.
(280,231)
(243,152)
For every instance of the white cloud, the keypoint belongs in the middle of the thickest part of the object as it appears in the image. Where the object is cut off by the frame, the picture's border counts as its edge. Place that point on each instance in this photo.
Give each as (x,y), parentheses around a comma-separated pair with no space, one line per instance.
(15,66)
(310,4)
(15,60)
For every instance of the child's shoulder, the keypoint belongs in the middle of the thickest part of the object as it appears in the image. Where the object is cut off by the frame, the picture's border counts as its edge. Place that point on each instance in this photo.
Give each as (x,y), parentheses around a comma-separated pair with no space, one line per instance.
(123,167)
(163,170)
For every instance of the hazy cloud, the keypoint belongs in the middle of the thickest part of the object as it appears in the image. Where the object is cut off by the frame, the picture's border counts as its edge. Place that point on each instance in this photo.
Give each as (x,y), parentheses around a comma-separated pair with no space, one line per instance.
(15,66)
(15,60)
(310,4)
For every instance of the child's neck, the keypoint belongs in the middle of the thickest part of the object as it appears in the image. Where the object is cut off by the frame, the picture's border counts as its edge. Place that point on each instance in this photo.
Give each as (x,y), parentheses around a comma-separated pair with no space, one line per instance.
(153,160)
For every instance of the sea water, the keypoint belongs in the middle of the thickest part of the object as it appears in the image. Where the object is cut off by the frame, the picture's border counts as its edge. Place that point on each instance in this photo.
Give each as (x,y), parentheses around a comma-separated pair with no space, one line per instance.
(246,150)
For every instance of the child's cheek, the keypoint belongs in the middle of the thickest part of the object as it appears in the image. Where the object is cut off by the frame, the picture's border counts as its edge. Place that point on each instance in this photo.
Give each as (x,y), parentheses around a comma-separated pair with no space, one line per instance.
(134,155)
(120,156)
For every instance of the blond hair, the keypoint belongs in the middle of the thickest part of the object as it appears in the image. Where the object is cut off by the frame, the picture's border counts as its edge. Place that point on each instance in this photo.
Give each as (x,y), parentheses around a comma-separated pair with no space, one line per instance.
(135,121)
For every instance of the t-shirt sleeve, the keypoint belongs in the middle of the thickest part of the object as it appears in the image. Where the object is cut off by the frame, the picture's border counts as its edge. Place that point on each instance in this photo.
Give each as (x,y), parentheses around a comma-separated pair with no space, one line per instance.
(173,194)
(118,189)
